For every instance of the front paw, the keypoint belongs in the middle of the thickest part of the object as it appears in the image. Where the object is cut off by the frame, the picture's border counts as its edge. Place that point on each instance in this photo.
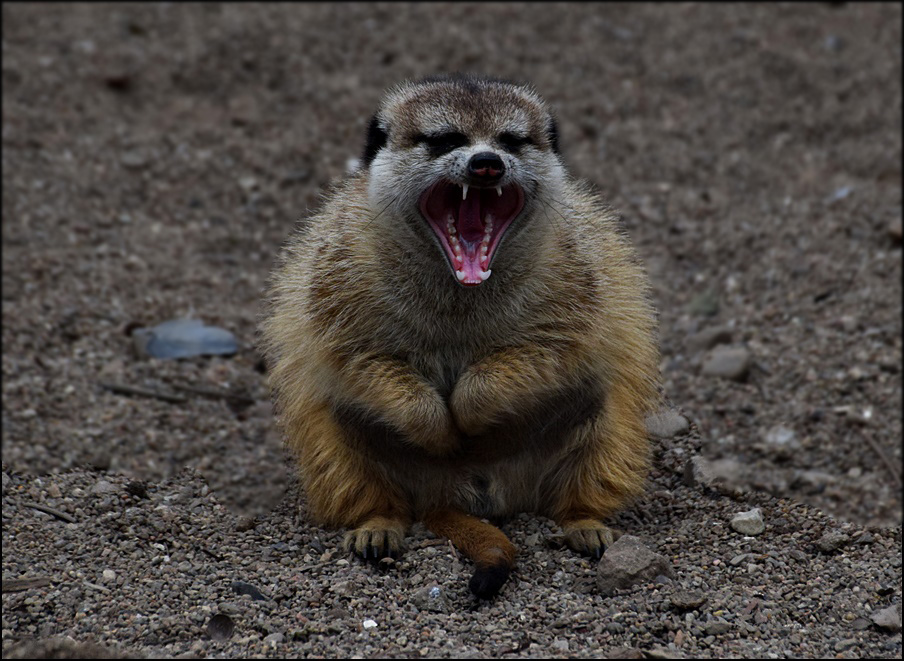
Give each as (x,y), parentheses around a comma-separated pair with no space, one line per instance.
(377,538)
(467,406)
(433,429)
(588,537)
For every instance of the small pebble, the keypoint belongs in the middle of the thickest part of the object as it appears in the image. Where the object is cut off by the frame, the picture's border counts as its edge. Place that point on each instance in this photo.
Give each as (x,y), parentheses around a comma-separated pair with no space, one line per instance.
(688,599)
(846,644)
(274,639)
(749,523)
(728,362)
(831,541)
(718,473)
(717,627)
(667,423)
(431,598)
(102,487)
(708,338)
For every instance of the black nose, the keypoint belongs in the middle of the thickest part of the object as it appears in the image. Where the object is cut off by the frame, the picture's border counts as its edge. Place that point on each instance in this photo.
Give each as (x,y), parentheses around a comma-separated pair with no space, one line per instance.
(486,166)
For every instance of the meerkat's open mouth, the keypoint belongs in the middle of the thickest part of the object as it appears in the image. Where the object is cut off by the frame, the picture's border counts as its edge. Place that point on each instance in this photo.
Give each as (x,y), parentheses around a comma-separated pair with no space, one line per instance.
(470,223)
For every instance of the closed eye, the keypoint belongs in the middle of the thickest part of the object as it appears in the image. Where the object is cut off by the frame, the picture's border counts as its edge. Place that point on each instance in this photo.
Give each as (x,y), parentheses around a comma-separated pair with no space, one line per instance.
(442,143)
(513,143)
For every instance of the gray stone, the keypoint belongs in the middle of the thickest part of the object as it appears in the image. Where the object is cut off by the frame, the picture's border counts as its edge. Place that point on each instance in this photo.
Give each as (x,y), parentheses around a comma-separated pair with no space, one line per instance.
(727,362)
(274,639)
(628,562)
(705,304)
(560,645)
(708,338)
(700,471)
(749,523)
(61,647)
(240,587)
(717,627)
(667,423)
(102,486)
(688,599)
(431,598)
(134,159)
(831,541)
(860,624)
(781,441)
(888,618)
(183,338)
(846,644)
(738,559)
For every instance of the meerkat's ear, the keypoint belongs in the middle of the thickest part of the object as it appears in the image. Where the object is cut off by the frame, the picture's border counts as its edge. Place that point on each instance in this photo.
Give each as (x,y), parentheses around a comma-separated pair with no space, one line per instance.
(552,130)
(376,140)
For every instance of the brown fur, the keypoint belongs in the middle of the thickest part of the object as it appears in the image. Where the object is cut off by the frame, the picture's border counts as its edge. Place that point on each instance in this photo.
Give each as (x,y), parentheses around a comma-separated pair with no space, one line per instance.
(408,397)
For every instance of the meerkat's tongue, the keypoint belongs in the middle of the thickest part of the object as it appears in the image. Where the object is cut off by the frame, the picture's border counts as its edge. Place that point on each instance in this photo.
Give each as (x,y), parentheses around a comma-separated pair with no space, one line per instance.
(470,224)
(471,232)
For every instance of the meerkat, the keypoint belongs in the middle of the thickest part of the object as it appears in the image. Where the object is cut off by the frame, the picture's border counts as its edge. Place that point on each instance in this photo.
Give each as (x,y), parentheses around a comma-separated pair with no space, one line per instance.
(462,333)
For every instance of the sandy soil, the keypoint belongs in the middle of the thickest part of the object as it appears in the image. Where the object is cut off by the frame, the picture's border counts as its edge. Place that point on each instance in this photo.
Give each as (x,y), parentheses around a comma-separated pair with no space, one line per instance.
(156,156)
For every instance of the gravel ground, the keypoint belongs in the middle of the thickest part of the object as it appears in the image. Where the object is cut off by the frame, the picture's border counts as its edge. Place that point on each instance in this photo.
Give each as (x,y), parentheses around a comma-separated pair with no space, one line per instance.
(155,158)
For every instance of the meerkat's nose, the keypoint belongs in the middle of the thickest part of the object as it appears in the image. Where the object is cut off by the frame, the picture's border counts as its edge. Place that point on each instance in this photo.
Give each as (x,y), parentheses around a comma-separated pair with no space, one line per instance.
(486,167)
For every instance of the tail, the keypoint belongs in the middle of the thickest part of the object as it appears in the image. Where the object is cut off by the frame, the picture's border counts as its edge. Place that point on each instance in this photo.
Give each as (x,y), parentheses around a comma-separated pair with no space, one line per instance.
(483,543)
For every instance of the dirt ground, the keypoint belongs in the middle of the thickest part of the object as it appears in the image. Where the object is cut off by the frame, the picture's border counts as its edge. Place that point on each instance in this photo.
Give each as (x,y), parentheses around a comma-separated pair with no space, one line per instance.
(156,156)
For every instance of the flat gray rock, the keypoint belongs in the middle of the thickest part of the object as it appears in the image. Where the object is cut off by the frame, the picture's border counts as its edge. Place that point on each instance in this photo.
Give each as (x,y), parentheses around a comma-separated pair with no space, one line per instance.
(184,338)
(888,618)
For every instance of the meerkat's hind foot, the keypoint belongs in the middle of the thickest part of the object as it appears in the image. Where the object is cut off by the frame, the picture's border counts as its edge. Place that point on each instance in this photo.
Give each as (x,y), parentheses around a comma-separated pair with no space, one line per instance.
(377,538)
(588,537)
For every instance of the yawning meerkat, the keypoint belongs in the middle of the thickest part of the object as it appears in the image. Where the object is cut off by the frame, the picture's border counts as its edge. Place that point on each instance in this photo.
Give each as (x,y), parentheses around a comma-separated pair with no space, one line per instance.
(462,332)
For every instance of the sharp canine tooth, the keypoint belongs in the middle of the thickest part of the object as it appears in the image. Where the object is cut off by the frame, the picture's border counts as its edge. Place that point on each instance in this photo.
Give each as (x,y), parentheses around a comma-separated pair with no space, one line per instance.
(464,192)
(460,275)
(499,191)
(484,275)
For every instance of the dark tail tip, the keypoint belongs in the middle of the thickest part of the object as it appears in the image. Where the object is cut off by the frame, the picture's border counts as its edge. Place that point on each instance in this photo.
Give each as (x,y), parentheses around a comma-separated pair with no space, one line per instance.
(487,581)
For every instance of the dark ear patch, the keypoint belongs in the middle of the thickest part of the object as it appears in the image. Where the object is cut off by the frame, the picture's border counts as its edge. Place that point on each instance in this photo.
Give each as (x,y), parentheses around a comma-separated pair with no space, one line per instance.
(553,133)
(376,140)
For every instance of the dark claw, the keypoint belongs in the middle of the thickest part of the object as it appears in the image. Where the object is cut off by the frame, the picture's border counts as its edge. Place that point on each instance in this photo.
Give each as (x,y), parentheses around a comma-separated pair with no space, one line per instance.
(365,552)
(598,553)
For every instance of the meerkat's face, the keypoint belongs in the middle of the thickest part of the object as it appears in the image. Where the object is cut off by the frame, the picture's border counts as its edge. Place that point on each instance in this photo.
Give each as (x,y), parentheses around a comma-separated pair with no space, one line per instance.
(464,162)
